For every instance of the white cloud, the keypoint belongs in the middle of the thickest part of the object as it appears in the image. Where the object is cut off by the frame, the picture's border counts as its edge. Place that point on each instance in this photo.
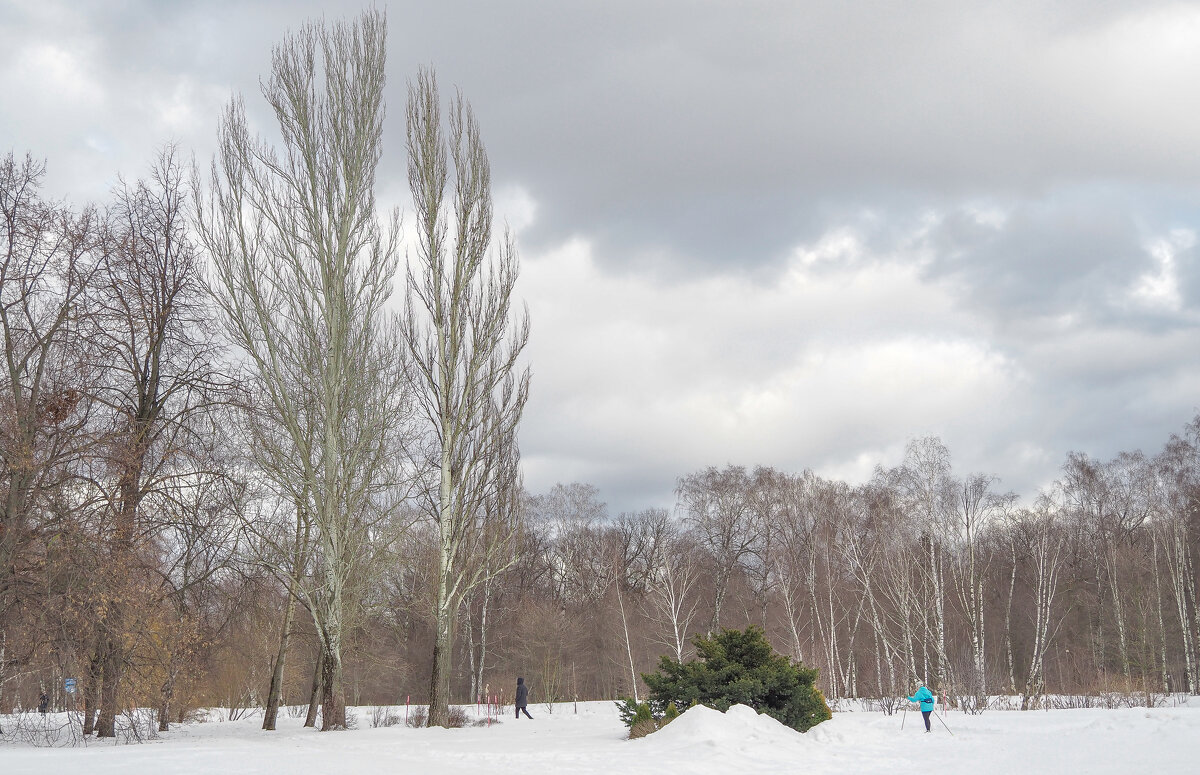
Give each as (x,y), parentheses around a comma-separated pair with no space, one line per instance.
(515,206)
(801,373)
(1158,289)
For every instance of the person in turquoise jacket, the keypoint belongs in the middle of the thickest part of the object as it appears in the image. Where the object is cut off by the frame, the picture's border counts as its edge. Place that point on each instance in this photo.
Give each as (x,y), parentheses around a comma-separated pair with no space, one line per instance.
(925,697)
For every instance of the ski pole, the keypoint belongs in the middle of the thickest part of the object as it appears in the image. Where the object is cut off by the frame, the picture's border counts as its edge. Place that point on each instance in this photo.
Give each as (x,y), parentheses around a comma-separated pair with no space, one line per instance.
(939,718)
(904,717)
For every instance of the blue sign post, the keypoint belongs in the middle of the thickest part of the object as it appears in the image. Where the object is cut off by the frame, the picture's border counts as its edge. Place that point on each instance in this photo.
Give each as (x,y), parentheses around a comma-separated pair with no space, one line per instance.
(69,685)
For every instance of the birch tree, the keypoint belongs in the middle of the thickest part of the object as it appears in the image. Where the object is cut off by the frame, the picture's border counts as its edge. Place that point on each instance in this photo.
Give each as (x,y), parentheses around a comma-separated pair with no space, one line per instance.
(671,598)
(1042,540)
(302,271)
(1110,501)
(975,508)
(464,345)
(1176,483)
(925,486)
(718,506)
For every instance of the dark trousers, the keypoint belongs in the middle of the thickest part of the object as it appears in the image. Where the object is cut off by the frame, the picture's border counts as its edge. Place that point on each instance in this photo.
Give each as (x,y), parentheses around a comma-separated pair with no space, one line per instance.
(523,709)
(926,713)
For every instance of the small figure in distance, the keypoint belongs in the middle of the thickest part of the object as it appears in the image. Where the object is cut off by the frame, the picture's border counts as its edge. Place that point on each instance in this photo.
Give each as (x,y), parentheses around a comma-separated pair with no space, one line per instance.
(925,697)
(43,703)
(522,698)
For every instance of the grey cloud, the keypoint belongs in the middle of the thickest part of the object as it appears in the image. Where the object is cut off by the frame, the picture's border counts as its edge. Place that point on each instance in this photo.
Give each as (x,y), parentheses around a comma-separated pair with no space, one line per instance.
(713,136)
(689,141)
(1049,258)
(672,141)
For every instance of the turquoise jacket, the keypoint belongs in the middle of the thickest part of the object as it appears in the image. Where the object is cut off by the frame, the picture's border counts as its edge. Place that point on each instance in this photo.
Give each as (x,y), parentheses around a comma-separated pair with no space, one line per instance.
(924,697)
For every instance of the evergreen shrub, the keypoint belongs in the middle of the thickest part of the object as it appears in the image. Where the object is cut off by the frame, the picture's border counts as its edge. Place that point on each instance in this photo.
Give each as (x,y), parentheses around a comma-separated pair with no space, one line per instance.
(740,667)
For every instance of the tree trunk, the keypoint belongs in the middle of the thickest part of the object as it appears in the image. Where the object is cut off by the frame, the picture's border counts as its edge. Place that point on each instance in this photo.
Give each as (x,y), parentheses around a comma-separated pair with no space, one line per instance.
(1110,560)
(473,669)
(628,647)
(314,699)
(3,655)
(1008,647)
(789,608)
(117,621)
(110,681)
(718,598)
(276,690)
(1162,627)
(91,696)
(439,684)
(164,710)
(333,706)
(483,625)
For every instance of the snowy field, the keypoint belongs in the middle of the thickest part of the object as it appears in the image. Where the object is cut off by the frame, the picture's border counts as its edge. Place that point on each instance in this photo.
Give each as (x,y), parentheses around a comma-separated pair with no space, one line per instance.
(701,741)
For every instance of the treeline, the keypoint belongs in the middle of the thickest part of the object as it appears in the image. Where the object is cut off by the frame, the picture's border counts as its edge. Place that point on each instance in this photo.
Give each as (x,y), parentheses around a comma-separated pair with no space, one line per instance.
(919,575)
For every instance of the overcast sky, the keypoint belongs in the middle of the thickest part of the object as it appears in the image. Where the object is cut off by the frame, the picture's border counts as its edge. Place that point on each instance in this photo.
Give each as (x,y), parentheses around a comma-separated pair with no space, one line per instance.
(795,234)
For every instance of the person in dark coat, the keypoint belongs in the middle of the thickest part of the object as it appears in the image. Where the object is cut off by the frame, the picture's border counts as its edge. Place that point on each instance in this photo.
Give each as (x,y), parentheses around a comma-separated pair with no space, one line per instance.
(43,703)
(522,698)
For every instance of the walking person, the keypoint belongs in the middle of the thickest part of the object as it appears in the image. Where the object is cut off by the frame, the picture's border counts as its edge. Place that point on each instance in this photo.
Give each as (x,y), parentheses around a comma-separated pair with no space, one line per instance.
(522,698)
(925,697)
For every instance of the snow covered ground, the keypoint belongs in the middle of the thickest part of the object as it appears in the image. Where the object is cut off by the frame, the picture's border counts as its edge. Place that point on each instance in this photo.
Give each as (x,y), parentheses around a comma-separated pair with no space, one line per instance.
(700,742)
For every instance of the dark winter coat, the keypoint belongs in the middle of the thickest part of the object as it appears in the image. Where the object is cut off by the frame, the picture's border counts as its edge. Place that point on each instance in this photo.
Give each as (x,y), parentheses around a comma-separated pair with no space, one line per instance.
(522,693)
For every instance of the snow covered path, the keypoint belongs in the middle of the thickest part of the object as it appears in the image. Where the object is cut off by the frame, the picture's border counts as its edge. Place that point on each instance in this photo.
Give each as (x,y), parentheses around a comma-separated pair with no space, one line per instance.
(701,742)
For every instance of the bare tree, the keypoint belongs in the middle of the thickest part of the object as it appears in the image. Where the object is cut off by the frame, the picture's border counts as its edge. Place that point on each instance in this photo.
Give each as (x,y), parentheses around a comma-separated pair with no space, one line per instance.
(464,349)
(572,517)
(162,381)
(1110,501)
(717,504)
(301,272)
(671,594)
(644,537)
(1041,539)
(49,256)
(768,498)
(927,491)
(810,523)
(195,528)
(283,544)
(506,498)
(1176,485)
(975,509)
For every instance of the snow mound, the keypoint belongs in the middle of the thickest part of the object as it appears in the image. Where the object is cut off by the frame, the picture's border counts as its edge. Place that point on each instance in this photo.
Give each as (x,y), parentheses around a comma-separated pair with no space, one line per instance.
(739,726)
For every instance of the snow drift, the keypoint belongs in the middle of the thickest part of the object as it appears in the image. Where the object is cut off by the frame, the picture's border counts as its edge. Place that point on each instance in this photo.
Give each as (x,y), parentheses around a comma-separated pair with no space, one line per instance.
(740,727)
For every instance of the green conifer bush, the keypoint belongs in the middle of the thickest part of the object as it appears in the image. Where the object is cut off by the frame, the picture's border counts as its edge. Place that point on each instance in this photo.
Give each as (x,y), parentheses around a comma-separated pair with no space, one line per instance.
(740,667)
